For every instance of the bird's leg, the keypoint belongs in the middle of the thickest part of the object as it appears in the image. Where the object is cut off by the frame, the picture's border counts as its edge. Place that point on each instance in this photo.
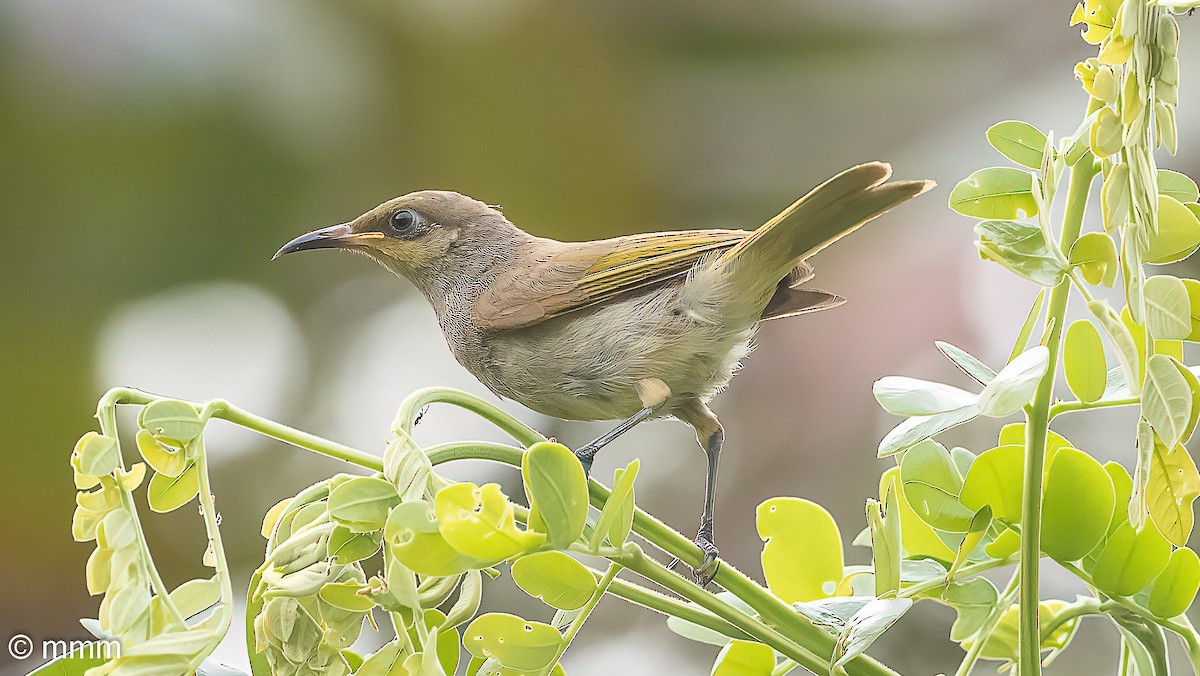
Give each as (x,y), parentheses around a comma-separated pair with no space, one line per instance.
(653,393)
(705,539)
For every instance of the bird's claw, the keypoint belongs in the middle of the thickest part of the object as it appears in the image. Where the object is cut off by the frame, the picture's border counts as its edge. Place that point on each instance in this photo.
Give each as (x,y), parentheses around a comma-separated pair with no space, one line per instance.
(712,561)
(585,455)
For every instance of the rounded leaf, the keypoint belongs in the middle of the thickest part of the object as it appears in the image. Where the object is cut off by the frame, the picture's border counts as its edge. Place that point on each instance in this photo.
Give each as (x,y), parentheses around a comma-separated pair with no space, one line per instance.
(1083,361)
(478,521)
(931,484)
(558,493)
(1018,141)
(167,493)
(1175,589)
(172,420)
(1168,308)
(996,192)
(514,642)
(96,454)
(555,578)
(1177,185)
(1193,290)
(1095,255)
(1178,233)
(744,658)
(414,539)
(1131,560)
(1014,385)
(345,595)
(995,480)
(362,503)
(803,551)
(1077,506)
(161,459)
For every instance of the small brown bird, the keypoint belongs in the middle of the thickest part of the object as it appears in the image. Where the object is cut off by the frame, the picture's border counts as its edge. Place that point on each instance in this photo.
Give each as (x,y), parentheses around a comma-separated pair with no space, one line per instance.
(633,328)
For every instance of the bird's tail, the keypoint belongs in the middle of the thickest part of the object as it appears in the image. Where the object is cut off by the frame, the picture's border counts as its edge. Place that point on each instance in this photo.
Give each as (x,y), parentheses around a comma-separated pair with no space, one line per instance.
(830,211)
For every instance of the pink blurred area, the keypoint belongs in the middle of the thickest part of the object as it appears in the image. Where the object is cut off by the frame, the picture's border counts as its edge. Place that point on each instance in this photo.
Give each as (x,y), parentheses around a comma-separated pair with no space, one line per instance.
(157,152)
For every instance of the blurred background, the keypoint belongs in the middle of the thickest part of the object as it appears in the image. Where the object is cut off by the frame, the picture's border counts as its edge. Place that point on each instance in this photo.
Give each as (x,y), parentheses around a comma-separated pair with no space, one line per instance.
(157,152)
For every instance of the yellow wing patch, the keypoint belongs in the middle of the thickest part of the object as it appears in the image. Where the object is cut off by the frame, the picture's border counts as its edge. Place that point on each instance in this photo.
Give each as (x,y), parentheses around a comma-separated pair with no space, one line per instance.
(574,276)
(644,259)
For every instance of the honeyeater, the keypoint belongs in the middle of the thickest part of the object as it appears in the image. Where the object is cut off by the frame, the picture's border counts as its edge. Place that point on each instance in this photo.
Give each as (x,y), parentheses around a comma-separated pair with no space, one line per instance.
(629,328)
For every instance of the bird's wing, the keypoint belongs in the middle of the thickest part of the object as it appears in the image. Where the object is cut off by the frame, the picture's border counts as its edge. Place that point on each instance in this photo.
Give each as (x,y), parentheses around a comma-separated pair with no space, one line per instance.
(574,276)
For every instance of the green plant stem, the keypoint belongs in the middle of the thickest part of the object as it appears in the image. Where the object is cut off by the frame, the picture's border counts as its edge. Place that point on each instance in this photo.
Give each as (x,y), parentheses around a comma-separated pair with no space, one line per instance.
(1081,608)
(661,603)
(1073,406)
(1037,426)
(773,611)
(989,625)
(411,408)
(785,666)
(208,510)
(230,413)
(106,414)
(965,571)
(635,560)
(602,586)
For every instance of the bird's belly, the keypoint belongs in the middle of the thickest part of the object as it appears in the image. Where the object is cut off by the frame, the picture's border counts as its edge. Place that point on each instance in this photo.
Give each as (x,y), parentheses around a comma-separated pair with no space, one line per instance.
(585,365)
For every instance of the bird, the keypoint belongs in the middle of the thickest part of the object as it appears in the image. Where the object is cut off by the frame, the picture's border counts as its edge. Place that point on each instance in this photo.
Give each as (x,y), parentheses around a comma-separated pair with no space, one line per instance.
(630,328)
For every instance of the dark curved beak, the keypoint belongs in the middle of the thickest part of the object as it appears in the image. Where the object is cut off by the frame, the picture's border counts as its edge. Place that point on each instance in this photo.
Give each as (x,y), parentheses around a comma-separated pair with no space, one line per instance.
(333,237)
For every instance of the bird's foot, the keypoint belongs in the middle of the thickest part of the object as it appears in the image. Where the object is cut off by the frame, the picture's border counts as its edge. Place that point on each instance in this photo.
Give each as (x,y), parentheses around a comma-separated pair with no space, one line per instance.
(585,455)
(712,558)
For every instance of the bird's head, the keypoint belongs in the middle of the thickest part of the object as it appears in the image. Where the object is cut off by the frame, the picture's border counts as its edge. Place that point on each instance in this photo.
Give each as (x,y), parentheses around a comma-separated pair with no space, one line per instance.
(416,234)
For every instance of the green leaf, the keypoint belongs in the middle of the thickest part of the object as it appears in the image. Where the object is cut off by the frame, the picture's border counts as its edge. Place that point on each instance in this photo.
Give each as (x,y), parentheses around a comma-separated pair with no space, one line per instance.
(76,663)
(345,595)
(1020,142)
(900,395)
(744,658)
(973,601)
(918,537)
(866,626)
(1145,642)
(968,364)
(1106,135)
(516,643)
(362,503)
(1177,185)
(1077,506)
(976,530)
(1193,289)
(802,558)
(479,522)
(1095,255)
(160,458)
(172,420)
(1014,385)
(346,546)
(557,490)
(1114,198)
(1130,560)
(1172,487)
(920,427)
(997,192)
(414,539)
(96,454)
(886,552)
(167,493)
(1178,233)
(931,487)
(1166,400)
(1031,320)
(1168,308)
(616,519)
(1021,248)
(1175,589)
(555,578)
(1083,361)
(995,480)
(1007,543)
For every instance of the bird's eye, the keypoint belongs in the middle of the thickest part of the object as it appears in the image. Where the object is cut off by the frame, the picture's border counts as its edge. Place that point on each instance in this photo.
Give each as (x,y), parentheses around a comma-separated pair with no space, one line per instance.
(404,222)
